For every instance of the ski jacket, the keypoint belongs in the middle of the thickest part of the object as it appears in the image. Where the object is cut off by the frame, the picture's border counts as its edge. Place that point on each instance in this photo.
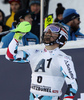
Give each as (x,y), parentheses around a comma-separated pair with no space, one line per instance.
(50,69)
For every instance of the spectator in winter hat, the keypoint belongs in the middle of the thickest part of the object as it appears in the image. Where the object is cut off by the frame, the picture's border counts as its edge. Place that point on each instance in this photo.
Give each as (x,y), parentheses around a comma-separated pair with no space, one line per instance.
(35,8)
(23,15)
(29,38)
(15,5)
(59,12)
(71,20)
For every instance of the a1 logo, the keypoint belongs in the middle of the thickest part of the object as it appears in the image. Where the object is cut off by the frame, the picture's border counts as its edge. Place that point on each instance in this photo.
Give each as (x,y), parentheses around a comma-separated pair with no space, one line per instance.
(81,96)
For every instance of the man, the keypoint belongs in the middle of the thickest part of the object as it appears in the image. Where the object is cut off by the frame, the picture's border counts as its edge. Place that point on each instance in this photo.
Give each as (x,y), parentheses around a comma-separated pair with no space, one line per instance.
(29,38)
(50,66)
(15,5)
(71,20)
(35,8)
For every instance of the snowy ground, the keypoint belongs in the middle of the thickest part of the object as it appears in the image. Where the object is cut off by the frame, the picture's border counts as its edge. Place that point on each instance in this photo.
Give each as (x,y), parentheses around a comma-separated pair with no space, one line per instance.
(76,4)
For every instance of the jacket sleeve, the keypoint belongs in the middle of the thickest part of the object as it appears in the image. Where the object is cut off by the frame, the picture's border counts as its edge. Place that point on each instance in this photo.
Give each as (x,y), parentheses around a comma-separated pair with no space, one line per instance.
(7,39)
(15,55)
(68,71)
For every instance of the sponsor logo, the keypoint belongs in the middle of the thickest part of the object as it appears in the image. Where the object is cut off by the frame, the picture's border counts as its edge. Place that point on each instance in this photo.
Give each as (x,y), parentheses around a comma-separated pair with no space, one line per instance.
(69,69)
(41,88)
(54,91)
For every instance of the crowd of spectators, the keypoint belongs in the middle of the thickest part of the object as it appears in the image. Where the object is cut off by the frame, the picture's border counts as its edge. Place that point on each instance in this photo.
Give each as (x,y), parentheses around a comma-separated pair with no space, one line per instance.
(20,14)
(29,10)
(29,38)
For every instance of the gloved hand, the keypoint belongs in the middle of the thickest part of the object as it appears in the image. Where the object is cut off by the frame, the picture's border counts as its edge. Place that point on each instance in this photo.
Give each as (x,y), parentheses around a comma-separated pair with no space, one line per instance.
(21,30)
(18,36)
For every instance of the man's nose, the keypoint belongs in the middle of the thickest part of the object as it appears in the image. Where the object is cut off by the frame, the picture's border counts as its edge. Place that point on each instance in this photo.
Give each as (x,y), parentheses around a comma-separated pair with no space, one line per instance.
(49,33)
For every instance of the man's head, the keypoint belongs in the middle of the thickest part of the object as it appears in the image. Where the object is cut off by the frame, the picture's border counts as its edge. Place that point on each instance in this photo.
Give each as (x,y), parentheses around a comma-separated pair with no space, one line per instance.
(23,15)
(55,33)
(15,5)
(71,18)
(35,6)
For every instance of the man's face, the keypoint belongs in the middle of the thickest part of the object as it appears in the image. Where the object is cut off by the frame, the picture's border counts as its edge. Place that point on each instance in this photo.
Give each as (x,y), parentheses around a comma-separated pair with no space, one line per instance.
(75,24)
(35,8)
(50,36)
(28,19)
(15,6)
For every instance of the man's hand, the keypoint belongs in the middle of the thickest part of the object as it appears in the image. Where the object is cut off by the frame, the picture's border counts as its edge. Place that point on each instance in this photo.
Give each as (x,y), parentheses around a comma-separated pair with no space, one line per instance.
(18,36)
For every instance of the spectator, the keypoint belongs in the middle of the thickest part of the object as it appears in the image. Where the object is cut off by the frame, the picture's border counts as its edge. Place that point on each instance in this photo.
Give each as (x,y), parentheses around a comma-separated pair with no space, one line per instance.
(15,5)
(29,38)
(35,8)
(71,20)
(3,27)
(59,12)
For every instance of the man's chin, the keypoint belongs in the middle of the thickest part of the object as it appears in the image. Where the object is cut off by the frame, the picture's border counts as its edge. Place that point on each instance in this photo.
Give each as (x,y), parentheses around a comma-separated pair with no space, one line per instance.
(47,42)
